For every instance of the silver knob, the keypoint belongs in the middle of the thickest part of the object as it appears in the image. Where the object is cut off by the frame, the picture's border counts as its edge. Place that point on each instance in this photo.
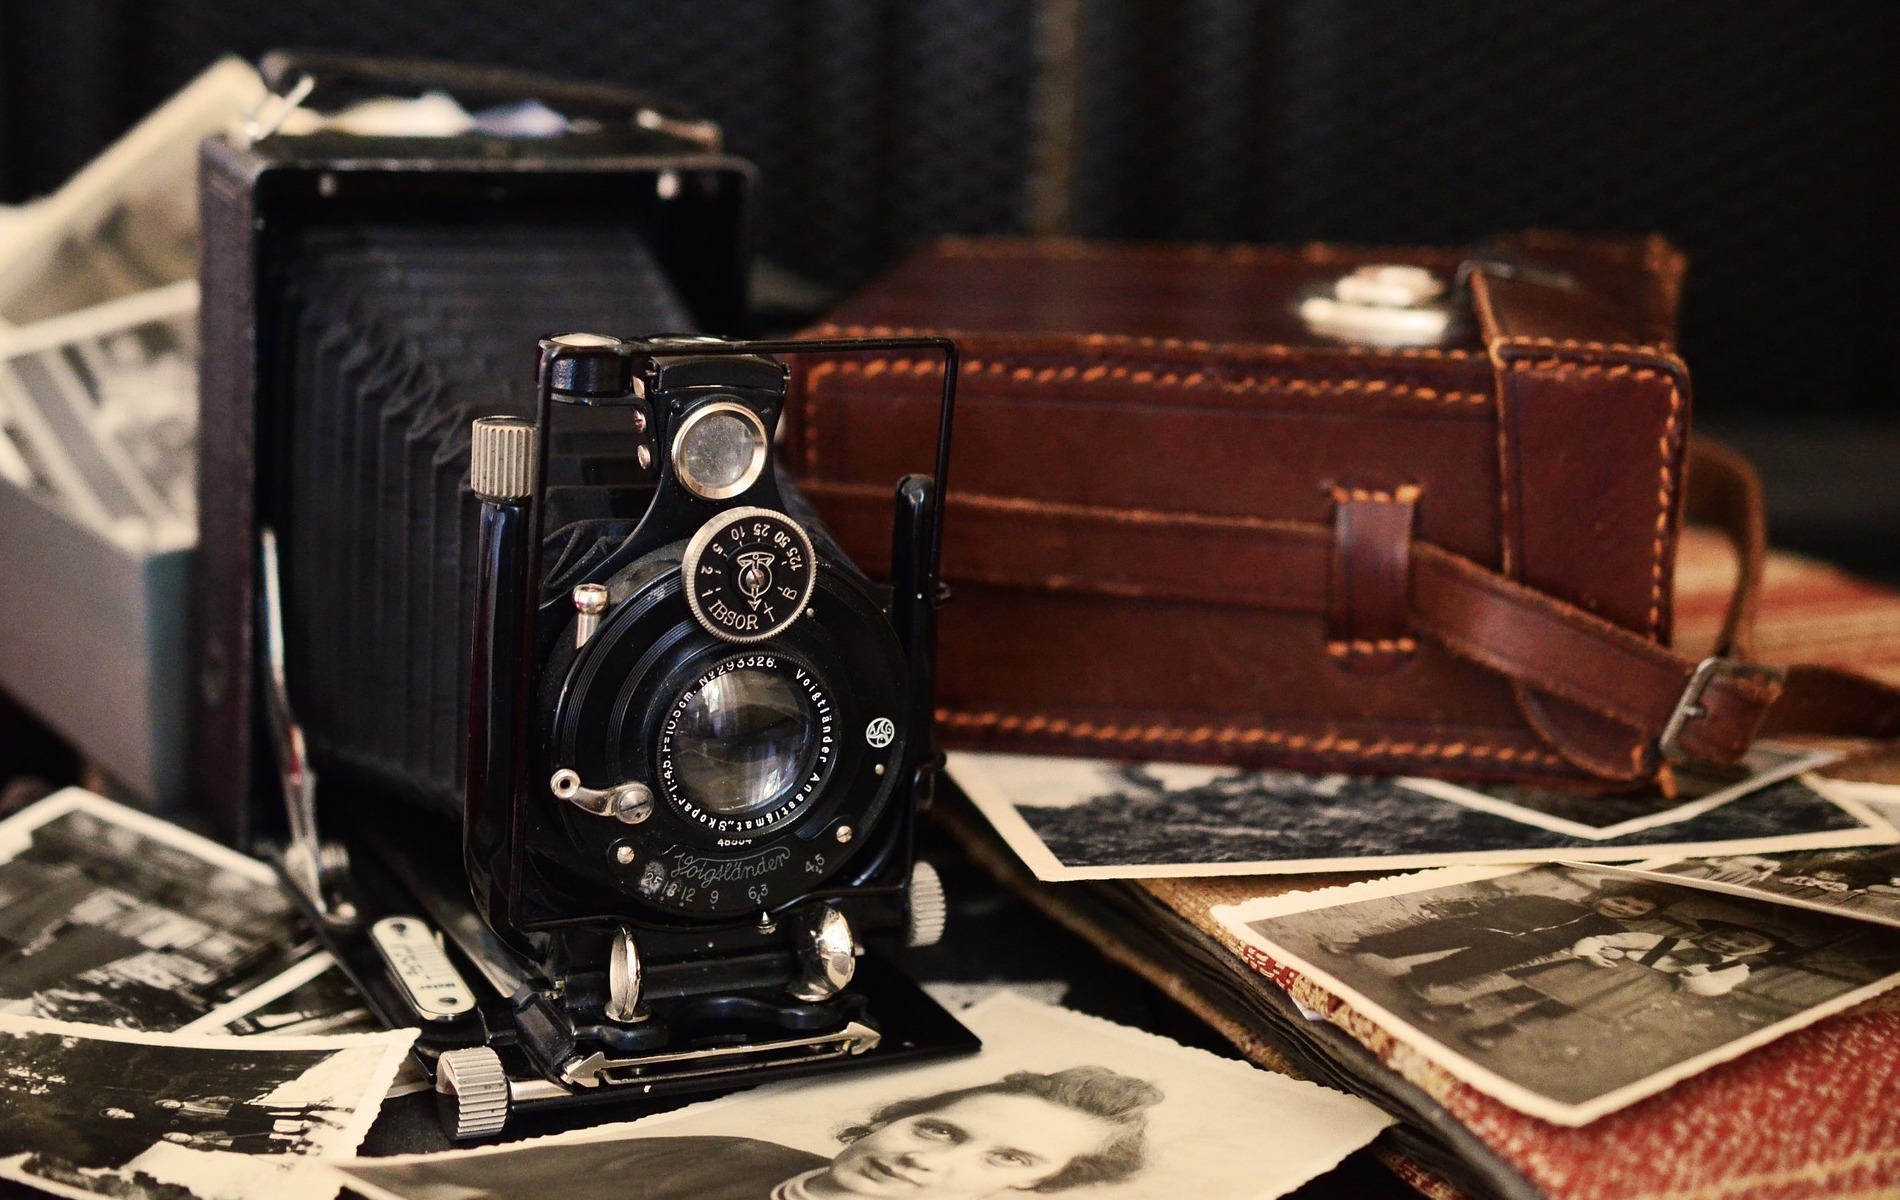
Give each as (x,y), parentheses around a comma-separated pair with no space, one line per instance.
(624,977)
(928,911)
(630,803)
(590,600)
(501,458)
(827,953)
(472,1089)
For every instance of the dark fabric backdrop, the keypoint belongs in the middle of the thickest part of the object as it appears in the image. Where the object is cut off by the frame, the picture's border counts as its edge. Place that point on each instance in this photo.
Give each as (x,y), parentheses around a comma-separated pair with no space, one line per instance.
(1759,136)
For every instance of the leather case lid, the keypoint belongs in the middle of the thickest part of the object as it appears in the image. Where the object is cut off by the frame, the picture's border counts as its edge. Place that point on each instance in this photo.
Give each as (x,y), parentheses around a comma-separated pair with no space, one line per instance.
(1152,454)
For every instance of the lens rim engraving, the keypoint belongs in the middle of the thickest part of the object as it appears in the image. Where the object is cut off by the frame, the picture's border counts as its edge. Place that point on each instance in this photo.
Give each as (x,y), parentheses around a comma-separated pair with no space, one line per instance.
(814,768)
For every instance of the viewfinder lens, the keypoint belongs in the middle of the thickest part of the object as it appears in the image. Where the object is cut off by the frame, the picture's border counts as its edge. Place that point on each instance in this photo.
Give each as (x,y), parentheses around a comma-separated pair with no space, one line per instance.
(719,451)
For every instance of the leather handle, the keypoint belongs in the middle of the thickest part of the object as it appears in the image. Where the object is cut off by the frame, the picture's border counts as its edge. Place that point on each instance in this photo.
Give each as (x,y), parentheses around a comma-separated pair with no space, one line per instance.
(1562,650)
(1724,491)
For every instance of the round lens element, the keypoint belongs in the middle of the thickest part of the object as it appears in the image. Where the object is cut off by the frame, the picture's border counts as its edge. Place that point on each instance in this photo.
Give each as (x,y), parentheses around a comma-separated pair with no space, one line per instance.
(741,742)
(719,450)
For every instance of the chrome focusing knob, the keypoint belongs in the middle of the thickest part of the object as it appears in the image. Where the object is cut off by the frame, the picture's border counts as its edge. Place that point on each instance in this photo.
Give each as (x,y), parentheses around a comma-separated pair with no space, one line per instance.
(471,1088)
(928,911)
(827,953)
(624,980)
(501,459)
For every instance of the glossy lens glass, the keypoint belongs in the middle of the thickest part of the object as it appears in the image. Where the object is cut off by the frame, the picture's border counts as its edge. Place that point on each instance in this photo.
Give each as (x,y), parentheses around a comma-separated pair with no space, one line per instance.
(741,742)
(719,452)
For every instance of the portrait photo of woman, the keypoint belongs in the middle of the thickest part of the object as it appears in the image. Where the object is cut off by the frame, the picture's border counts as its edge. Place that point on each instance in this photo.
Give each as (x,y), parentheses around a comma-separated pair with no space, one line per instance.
(1056,1104)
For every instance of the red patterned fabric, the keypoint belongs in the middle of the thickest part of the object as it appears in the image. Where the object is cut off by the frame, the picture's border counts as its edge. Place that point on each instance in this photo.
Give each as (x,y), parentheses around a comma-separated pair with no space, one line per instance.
(1810,612)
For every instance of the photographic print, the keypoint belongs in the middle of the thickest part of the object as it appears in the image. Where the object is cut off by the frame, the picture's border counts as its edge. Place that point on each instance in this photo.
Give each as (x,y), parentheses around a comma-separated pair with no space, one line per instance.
(1075,818)
(1056,1103)
(1569,992)
(1604,817)
(1863,883)
(112,917)
(86,1111)
(315,996)
(99,414)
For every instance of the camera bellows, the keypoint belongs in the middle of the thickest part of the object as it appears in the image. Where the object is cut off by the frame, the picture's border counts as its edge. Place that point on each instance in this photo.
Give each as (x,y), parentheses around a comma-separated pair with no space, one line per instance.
(501,462)
(390,341)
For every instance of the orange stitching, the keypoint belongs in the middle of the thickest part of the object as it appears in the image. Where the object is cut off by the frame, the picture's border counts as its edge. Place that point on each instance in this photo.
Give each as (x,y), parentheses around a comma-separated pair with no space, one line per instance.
(1579,344)
(809,417)
(1558,366)
(1171,343)
(1230,735)
(1191,382)
(1404,494)
(1403,645)
(1666,495)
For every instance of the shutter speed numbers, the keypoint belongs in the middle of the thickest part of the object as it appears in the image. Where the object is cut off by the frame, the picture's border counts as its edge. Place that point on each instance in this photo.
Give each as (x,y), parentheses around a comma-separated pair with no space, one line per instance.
(749,573)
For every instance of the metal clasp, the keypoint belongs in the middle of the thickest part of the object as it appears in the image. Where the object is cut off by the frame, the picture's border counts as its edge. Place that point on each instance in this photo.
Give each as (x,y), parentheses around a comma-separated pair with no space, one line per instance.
(1689,706)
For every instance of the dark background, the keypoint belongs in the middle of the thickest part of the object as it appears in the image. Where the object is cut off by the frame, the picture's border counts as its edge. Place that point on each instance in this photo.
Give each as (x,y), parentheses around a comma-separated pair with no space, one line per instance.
(1760,137)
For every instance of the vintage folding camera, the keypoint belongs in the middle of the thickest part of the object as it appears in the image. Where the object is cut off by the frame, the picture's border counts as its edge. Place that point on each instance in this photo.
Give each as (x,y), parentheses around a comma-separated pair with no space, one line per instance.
(698,744)
(575,610)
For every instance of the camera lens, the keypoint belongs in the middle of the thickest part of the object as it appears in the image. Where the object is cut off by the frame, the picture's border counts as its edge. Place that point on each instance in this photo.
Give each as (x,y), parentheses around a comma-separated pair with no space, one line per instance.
(741,741)
(719,450)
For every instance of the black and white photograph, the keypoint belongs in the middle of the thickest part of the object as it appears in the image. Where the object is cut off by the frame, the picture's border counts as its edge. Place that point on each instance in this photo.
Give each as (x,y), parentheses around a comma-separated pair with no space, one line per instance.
(1569,992)
(1863,883)
(1076,818)
(99,415)
(1681,793)
(86,1111)
(1057,1103)
(111,917)
(315,996)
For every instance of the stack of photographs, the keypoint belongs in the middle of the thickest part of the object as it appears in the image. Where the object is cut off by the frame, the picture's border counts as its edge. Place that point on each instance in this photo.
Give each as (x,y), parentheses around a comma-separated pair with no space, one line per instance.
(99,414)
(1073,818)
(150,985)
(1056,1103)
(1497,966)
(111,917)
(90,1111)
(394,339)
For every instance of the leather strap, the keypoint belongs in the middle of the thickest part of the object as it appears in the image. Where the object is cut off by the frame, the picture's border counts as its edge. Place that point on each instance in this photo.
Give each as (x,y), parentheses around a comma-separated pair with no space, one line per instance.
(1522,633)
(1561,649)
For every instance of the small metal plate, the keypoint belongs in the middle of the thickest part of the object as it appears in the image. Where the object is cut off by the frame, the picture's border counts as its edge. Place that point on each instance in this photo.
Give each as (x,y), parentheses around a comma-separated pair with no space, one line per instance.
(417,963)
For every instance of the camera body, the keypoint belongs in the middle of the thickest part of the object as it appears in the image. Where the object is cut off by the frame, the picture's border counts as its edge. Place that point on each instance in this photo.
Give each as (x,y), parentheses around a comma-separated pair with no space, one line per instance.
(698,738)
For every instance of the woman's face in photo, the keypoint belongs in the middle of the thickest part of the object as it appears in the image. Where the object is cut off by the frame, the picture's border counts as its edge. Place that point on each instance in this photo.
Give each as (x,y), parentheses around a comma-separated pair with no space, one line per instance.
(976,1146)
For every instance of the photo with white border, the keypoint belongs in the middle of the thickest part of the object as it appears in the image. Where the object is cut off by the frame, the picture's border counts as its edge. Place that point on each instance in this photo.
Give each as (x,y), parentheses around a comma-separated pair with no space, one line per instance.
(1078,818)
(1056,1103)
(1568,992)
(87,1111)
(112,917)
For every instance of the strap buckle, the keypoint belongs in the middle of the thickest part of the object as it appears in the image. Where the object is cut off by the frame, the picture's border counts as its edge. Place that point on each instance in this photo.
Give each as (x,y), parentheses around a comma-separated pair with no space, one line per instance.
(1689,706)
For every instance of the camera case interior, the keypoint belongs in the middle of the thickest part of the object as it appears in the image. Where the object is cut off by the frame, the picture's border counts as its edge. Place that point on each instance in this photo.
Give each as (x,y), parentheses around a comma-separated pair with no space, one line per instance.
(681,813)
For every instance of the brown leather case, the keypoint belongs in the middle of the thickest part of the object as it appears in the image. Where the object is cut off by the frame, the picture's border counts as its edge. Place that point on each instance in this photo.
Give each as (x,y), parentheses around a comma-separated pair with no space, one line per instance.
(1183,527)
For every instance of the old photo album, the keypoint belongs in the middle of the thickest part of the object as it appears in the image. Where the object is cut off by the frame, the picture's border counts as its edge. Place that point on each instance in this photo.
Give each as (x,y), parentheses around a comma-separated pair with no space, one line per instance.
(1056,1103)
(1567,991)
(1076,818)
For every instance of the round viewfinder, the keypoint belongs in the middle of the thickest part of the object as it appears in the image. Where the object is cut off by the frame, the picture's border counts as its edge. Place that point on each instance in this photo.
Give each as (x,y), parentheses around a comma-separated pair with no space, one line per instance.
(720,450)
(742,741)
